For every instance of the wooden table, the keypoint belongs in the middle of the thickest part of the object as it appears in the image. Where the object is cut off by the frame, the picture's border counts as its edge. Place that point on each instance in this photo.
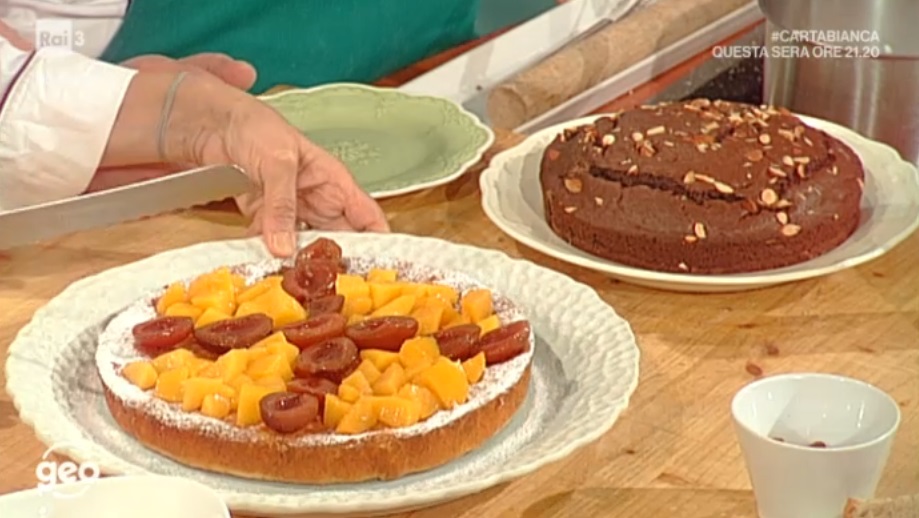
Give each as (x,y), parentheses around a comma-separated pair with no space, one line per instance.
(673,453)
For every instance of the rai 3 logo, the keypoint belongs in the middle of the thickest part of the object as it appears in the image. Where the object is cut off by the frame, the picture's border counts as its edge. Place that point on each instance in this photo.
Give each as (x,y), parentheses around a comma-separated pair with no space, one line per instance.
(59,33)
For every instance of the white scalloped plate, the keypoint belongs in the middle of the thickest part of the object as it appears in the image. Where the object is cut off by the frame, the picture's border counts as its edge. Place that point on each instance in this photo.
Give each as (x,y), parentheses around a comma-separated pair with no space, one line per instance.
(585,369)
(512,199)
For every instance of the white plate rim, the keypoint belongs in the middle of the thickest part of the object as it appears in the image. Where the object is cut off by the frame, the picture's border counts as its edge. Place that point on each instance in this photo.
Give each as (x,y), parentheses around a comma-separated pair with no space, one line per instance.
(420,186)
(490,179)
(85,450)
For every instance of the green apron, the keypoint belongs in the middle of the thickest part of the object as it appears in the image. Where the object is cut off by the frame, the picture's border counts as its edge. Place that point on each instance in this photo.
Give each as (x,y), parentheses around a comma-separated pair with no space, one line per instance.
(298,42)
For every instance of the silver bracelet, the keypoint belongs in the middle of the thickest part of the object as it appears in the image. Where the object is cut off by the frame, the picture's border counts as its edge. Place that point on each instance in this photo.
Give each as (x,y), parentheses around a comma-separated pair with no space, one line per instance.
(164,115)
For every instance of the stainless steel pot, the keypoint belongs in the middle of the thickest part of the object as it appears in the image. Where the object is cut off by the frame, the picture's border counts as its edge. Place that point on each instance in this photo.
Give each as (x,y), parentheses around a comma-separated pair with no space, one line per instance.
(870,82)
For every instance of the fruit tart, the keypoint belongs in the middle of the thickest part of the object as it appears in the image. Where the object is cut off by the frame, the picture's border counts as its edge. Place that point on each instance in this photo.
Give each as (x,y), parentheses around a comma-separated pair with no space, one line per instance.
(322,369)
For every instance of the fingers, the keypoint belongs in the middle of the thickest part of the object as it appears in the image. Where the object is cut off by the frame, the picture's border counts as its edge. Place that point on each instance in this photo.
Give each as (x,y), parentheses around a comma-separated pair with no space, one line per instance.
(279,209)
(360,212)
(239,74)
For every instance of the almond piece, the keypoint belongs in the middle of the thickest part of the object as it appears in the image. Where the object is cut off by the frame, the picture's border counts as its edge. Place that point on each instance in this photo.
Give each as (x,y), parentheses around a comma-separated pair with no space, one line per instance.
(802,160)
(765,139)
(569,210)
(704,178)
(699,230)
(787,134)
(782,204)
(775,171)
(683,266)
(690,239)
(689,178)
(801,170)
(573,185)
(750,206)
(782,218)
(790,230)
(598,201)
(755,155)
(637,136)
(656,130)
(724,188)
(787,160)
(633,169)
(608,140)
(646,149)
(768,197)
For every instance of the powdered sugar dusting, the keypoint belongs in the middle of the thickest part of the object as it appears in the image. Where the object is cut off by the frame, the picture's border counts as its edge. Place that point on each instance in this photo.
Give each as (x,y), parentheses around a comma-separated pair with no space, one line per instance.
(116,349)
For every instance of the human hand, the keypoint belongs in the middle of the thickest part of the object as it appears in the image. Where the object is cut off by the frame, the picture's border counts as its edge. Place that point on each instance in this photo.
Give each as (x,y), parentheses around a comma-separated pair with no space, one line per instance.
(236,73)
(299,182)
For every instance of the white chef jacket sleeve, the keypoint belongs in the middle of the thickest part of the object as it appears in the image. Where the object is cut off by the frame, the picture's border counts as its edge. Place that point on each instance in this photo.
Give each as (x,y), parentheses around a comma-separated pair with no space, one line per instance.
(57,109)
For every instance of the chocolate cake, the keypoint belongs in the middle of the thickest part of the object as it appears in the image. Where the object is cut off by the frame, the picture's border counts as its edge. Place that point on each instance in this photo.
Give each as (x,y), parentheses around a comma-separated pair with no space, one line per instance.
(701,187)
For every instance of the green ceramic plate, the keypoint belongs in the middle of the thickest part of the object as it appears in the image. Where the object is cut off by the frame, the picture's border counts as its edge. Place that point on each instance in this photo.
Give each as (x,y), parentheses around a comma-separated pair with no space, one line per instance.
(393,142)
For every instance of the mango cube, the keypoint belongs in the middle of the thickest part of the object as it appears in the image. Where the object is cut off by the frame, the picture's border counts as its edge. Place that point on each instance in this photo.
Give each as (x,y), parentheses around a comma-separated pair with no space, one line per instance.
(172,360)
(169,384)
(184,309)
(271,365)
(360,418)
(396,412)
(447,380)
(425,399)
(383,293)
(276,383)
(216,406)
(174,294)
(413,289)
(357,380)
(224,302)
(196,365)
(450,314)
(382,275)
(211,315)
(459,320)
(195,389)
(142,374)
(428,317)
(380,359)
(249,412)
(349,393)
(489,324)
(233,363)
(477,305)
(277,304)
(276,337)
(335,409)
(357,306)
(218,281)
(418,351)
(447,294)
(259,288)
(287,350)
(237,382)
(474,368)
(351,286)
(369,370)
(392,379)
(400,306)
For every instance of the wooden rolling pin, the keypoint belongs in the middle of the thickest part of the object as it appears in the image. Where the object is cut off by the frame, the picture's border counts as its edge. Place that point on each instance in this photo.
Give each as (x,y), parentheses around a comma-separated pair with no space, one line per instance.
(592,60)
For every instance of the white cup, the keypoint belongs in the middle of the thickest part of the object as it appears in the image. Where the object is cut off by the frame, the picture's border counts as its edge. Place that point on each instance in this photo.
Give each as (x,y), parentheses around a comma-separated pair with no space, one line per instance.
(791,478)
